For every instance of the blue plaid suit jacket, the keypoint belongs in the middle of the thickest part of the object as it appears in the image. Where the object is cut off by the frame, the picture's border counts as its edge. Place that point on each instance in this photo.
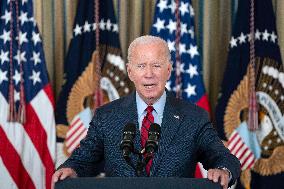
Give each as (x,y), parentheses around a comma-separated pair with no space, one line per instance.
(187,136)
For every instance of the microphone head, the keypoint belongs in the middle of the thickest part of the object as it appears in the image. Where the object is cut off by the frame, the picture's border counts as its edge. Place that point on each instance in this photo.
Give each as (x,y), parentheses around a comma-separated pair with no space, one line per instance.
(153,139)
(126,144)
(154,127)
(130,127)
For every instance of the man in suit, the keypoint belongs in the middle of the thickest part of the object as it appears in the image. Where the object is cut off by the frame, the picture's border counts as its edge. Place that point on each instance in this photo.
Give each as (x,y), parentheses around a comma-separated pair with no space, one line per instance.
(187,135)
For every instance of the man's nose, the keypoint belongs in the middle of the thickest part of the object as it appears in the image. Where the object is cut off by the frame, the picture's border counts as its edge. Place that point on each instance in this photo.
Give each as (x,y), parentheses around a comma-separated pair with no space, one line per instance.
(149,71)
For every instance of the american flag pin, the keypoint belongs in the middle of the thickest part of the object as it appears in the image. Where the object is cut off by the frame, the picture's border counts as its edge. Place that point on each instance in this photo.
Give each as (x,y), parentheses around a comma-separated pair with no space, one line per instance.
(176,116)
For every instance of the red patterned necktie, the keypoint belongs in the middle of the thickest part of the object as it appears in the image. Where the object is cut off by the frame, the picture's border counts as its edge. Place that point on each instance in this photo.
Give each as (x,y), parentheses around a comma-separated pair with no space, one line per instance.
(147,121)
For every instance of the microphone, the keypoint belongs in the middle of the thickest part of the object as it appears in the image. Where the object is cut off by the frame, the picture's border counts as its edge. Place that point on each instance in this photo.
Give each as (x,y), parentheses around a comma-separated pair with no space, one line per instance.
(151,145)
(126,144)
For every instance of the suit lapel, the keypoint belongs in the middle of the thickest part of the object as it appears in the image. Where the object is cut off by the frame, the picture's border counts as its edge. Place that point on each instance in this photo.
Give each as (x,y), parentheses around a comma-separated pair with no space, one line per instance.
(128,114)
(170,124)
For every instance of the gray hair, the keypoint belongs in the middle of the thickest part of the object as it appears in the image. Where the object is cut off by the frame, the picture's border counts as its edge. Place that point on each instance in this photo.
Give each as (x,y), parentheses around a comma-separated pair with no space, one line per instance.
(147,39)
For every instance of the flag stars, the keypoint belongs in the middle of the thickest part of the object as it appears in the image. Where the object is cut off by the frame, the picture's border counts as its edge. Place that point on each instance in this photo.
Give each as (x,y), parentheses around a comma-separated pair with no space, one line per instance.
(265,35)
(6,16)
(23,17)
(181,68)
(17,77)
(4,56)
(102,24)
(23,38)
(5,36)
(3,76)
(190,90)
(160,24)
(77,30)
(193,51)
(233,42)
(184,8)
(171,45)
(162,5)
(242,38)
(32,20)
(87,27)
(108,25)
(20,57)
(36,38)
(191,32)
(35,77)
(191,11)
(16,96)
(192,70)
(115,28)
(171,26)
(172,6)
(273,37)
(183,28)
(168,85)
(257,35)
(182,48)
(36,58)
(249,36)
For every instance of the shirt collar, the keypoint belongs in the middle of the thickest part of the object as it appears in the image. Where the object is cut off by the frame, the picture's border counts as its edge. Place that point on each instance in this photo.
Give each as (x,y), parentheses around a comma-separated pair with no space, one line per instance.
(158,106)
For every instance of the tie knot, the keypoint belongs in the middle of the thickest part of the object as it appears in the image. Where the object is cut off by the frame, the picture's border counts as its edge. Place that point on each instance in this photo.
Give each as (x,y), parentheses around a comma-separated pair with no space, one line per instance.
(149,109)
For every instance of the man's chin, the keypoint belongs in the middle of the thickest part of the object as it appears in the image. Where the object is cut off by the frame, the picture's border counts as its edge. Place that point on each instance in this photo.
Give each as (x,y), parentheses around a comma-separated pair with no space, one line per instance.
(151,100)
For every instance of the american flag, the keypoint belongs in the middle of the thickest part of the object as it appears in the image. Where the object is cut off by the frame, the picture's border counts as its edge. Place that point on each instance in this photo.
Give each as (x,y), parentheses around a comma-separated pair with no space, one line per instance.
(175,24)
(27,142)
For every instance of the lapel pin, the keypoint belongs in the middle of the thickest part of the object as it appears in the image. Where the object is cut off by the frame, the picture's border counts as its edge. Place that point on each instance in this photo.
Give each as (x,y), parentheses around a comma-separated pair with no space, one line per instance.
(176,116)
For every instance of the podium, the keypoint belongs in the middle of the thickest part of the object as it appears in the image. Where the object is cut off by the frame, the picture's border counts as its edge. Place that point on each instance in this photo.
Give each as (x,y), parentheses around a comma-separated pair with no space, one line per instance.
(136,183)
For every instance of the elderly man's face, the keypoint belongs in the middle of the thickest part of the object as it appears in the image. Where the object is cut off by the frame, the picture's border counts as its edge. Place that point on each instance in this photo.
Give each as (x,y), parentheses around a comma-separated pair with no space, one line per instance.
(149,69)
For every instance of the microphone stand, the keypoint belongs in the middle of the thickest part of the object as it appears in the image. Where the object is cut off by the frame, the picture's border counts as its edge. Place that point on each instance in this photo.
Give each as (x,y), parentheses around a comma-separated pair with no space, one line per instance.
(140,165)
(142,162)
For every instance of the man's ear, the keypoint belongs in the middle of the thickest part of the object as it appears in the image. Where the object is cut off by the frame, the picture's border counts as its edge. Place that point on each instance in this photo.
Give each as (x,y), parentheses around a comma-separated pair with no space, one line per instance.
(129,71)
(169,70)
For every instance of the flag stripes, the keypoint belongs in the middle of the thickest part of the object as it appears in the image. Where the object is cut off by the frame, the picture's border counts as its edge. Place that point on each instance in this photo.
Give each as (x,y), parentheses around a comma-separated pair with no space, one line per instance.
(13,164)
(75,134)
(27,163)
(238,148)
(6,180)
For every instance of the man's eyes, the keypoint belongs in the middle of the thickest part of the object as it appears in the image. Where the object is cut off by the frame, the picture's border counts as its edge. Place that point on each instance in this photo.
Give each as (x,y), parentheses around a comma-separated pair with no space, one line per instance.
(143,65)
(157,65)
(140,65)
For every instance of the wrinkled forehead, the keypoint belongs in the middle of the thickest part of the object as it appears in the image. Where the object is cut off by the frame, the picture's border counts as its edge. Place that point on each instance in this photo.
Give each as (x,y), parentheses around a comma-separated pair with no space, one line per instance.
(150,51)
